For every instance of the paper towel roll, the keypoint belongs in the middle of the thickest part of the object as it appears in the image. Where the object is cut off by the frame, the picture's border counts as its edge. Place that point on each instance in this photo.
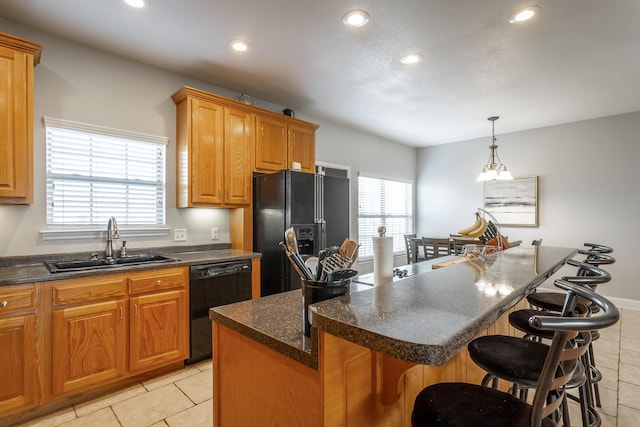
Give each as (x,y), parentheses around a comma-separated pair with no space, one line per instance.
(382,260)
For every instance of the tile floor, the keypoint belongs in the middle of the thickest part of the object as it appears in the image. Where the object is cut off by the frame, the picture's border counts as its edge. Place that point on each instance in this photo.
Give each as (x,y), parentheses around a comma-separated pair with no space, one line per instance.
(183,398)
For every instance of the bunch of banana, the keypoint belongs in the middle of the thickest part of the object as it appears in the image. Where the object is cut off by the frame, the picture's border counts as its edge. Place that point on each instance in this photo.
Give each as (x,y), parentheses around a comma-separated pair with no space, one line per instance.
(476,230)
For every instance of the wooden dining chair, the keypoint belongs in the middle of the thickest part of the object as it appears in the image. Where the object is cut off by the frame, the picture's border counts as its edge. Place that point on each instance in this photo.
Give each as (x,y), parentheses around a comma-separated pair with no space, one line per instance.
(407,244)
(434,247)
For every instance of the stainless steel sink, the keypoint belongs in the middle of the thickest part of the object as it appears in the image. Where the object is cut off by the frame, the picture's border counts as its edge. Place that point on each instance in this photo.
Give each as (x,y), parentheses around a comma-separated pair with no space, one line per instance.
(94,264)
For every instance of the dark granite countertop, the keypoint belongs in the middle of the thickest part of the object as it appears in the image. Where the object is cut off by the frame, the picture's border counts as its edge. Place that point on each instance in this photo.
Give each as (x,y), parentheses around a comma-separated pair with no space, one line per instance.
(21,270)
(426,318)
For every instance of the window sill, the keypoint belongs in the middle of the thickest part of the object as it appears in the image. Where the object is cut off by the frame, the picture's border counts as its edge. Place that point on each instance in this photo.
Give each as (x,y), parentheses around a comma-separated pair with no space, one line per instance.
(73,234)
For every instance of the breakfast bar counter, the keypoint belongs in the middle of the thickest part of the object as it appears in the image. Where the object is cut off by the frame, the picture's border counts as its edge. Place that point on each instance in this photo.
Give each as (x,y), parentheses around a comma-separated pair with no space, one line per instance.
(371,351)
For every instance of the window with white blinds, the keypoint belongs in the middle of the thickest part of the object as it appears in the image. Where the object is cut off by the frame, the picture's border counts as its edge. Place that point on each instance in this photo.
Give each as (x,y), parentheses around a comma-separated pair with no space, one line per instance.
(383,202)
(95,172)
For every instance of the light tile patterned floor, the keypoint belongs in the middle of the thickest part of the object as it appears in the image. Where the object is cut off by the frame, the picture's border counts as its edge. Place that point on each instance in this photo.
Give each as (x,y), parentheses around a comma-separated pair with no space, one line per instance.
(183,398)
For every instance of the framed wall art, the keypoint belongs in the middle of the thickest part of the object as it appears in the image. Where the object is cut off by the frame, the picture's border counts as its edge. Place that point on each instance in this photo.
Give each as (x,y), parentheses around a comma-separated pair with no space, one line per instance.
(513,202)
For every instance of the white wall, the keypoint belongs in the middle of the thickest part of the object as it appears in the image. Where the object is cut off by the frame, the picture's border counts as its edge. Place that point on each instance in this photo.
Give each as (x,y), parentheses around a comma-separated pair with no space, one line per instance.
(76,82)
(588,187)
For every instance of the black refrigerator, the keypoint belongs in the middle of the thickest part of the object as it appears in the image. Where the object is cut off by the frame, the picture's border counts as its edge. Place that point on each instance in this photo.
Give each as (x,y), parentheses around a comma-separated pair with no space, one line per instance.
(315,205)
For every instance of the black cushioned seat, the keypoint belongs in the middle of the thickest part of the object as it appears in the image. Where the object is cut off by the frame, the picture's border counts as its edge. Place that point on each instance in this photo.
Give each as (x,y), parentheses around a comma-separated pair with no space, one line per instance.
(516,360)
(550,301)
(461,404)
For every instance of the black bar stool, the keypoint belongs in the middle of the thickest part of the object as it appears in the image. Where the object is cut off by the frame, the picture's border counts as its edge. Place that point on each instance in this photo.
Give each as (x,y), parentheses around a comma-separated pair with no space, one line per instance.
(461,404)
(596,255)
(553,301)
(491,355)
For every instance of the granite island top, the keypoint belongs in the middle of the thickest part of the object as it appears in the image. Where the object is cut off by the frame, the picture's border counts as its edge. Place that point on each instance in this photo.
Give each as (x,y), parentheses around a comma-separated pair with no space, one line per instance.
(21,270)
(425,318)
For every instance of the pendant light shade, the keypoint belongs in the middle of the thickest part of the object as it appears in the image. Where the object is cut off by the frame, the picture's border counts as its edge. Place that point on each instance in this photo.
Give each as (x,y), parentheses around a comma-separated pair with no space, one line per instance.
(494,169)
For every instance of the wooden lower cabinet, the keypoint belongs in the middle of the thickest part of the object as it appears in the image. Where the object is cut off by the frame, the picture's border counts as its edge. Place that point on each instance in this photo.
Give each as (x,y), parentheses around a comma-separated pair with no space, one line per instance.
(18,387)
(18,348)
(114,326)
(158,325)
(64,339)
(89,345)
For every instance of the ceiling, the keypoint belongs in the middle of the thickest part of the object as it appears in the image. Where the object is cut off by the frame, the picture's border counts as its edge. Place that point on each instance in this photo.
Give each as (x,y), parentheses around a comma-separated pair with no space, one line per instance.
(577,60)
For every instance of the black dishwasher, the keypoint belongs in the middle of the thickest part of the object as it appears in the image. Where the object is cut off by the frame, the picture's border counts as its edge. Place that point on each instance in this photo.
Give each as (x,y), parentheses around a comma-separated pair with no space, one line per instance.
(212,285)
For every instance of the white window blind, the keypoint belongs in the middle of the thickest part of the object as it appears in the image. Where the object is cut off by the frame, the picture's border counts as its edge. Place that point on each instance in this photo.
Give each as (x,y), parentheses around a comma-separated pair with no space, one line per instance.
(95,172)
(383,202)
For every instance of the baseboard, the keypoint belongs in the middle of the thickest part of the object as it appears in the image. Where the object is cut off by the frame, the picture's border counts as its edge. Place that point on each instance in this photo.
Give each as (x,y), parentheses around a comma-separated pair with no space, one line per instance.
(625,303)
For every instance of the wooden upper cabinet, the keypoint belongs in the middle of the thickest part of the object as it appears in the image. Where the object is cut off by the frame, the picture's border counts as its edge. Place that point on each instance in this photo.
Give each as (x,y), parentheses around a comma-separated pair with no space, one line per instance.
(220,142)
(238,145)
(302,146)
(213,151)
(200,153)
(17,59)
(271,143)
(282,141)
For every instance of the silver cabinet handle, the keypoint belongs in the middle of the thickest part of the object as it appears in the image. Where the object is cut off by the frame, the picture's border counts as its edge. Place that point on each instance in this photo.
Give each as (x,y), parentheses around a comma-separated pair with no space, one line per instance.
(158,282)
(135,310)
(121,313)
(3,304)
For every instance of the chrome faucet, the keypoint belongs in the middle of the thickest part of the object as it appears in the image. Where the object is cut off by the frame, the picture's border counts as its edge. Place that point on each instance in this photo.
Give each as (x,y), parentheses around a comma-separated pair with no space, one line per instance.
(112,233)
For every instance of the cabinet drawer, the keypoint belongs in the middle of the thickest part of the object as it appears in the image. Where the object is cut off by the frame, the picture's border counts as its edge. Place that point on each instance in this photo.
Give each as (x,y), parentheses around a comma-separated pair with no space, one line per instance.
(90,289)
(17,298)
(157,280)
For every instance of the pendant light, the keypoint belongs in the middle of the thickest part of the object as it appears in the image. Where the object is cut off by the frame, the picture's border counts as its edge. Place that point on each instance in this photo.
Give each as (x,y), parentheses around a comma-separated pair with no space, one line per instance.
(494,169)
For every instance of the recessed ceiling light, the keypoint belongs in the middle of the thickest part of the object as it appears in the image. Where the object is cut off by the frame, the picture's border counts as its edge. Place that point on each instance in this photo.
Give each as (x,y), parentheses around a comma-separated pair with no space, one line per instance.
(524,14)
(355,18)
(239,45)
(136,3)
(411,58)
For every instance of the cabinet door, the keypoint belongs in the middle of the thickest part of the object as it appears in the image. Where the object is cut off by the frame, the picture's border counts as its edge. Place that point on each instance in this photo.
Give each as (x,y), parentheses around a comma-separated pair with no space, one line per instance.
(17,362)
(302,147)
(238,144)
(89,345)
(271,143)
(16,123)
(159,330)
(206,155)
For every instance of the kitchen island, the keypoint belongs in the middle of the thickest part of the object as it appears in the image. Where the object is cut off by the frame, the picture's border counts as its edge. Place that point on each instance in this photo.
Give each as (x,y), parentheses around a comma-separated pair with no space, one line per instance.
(370,352)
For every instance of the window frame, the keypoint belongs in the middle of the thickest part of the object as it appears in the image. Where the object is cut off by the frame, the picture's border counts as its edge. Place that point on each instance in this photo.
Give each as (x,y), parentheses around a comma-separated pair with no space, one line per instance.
(87,231)
(399,245)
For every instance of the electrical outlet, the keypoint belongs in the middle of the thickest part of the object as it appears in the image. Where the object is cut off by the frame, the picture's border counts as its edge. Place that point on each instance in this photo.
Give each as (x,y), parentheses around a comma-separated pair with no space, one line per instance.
(179,234)
(214,233)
